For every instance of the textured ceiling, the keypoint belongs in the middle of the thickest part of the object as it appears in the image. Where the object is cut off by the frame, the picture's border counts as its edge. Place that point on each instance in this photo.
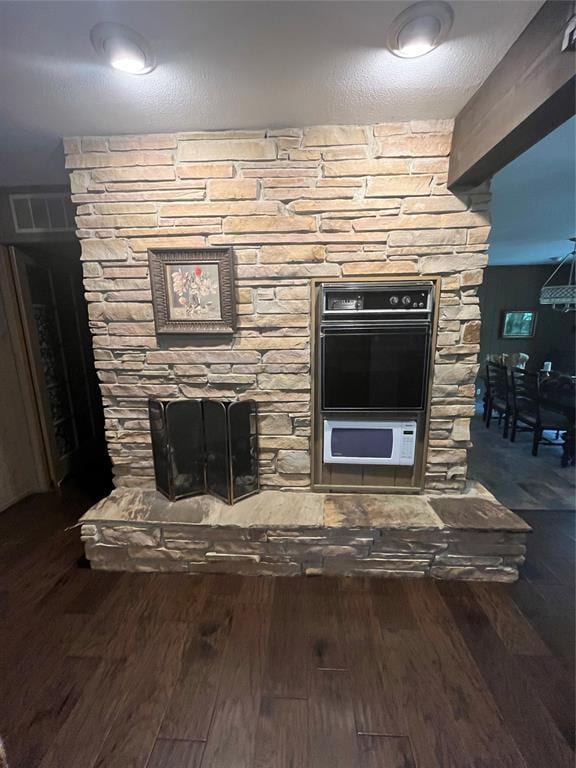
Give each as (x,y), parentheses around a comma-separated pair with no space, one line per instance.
(229,65)
(534,202)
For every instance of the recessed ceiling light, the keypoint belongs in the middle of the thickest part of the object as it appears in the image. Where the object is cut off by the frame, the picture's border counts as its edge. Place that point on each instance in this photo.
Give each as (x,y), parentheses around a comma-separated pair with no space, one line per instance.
(123,48)
(420,28)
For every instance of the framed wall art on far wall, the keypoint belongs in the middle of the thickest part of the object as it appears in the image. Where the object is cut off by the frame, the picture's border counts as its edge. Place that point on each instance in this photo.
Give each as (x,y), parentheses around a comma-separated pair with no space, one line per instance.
(518,324)
(193,290)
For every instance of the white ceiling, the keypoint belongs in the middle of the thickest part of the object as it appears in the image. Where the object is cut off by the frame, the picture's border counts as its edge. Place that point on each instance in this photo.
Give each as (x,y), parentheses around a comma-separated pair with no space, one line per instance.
(229,65)
(534,202)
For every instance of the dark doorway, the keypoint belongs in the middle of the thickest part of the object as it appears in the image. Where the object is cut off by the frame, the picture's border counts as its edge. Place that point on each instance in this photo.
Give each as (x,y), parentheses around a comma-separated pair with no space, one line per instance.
(55,324)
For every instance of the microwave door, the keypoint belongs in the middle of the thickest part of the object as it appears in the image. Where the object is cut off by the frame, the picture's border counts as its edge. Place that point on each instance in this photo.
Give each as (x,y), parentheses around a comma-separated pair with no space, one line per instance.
(375,369)
(369,442)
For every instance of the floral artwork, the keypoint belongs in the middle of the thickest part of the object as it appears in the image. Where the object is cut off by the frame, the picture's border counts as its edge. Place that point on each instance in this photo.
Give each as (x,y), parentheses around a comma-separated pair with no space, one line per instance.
(194,292)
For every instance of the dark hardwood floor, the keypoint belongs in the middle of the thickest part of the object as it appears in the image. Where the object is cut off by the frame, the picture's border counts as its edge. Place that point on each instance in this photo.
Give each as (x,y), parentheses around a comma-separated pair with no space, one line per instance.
(518,479)
(105,670)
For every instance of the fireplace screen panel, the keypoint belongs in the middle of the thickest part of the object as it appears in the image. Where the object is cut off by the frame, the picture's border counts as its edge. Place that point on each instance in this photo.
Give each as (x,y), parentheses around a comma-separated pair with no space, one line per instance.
(177,447)
(205,446)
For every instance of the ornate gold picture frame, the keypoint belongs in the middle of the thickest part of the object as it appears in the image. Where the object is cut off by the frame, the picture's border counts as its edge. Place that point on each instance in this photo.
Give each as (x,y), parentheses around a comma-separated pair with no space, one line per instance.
(193,290)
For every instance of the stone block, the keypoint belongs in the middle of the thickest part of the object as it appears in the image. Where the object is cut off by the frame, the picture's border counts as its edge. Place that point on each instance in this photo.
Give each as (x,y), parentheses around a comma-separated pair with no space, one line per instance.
(218,209)
(447,456)
(391,129)
(205,171)
(293,291)
(94,144)
(203,356)
(461,430)
(507,574)
(246,568)
(109,209)
(284,381)
(277,306)
(146,141)
(79,182)
(472,277)
(269,224)
(432,126)
(232,557)
(105,222)
(123,312)
(104,250)
(438,204)
(106,553)
(118,159)
(454,374)
(290,442)
(283,254)
(431,265)
(379,268)
(72,145)
(430,165)
(288,357)
(297,462)
(298,270)
(127,534)
(424,145)
(345,153)
(471,332)
(331,135)
(275,424)
(233,189)
(381,167)
(427,237)
(479,235)
(234,149)
(398,186)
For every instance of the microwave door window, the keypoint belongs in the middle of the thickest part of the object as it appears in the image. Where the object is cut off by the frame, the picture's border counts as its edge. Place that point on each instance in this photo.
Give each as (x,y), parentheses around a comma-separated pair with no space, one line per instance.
(375,370)
(361,443)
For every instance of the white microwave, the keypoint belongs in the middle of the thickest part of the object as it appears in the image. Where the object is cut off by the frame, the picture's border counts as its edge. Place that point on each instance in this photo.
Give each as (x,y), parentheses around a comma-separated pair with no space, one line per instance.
(363,441)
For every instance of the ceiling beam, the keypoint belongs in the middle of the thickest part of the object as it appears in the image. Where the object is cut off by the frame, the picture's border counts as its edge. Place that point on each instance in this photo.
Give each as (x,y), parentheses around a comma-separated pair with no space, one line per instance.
(529,94)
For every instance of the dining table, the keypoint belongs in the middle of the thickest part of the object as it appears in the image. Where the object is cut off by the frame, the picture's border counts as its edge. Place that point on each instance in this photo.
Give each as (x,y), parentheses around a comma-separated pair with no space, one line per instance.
(558,394)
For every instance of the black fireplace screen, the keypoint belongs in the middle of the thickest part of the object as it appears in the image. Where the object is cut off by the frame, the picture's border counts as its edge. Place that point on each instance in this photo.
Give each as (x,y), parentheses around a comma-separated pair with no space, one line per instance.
(205,446)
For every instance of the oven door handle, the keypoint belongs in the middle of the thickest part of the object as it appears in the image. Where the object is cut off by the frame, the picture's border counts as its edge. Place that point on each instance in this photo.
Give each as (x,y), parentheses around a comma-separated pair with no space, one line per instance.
(374,329)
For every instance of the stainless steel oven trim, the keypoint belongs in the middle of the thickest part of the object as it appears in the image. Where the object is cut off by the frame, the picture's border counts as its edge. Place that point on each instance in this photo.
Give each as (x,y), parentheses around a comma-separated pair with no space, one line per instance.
(319,483)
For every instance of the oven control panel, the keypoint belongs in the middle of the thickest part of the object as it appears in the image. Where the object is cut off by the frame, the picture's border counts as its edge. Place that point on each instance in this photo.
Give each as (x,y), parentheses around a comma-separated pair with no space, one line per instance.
(364,299)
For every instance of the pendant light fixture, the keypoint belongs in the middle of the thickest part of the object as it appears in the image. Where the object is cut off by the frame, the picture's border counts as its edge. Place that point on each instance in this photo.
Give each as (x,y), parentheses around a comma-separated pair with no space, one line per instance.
(562,297)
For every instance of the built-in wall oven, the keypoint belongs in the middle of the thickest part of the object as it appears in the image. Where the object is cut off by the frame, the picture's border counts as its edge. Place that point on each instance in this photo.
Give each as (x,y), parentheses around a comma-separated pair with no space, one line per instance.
(374,355)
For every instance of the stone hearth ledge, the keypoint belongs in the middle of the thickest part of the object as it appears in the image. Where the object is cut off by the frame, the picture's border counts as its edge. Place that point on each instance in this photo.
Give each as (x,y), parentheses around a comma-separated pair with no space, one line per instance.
(469,536)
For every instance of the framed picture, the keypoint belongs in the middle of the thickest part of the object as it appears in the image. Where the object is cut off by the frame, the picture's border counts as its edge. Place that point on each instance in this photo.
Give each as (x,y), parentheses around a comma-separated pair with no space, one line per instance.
(517,324)
(193,290)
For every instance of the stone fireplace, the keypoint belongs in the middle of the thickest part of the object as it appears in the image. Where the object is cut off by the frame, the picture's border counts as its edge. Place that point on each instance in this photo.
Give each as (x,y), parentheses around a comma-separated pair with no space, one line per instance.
(323,202)
(295,205)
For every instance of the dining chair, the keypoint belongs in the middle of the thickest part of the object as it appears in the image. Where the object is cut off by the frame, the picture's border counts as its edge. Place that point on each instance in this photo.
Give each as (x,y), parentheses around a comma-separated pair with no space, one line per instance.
(497,395)
(527,411)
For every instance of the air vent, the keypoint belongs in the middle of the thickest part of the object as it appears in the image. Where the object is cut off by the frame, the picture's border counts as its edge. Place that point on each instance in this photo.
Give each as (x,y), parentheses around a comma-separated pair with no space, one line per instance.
(37,213)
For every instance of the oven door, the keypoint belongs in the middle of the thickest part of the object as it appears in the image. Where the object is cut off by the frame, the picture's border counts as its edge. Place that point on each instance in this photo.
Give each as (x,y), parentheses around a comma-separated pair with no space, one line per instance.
(383,367)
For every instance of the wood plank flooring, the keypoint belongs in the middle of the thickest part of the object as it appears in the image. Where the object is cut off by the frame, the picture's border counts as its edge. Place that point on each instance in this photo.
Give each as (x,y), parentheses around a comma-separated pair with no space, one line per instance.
(518,479)
(104,670)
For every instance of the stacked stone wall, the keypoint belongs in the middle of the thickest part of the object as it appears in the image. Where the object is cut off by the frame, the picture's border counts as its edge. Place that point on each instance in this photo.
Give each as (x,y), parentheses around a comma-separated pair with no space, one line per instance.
(332,201)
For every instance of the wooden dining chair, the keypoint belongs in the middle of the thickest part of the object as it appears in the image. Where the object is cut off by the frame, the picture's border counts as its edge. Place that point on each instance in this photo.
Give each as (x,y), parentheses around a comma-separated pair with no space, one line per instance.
(526,409)
(497,395)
